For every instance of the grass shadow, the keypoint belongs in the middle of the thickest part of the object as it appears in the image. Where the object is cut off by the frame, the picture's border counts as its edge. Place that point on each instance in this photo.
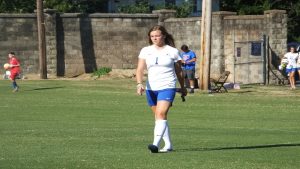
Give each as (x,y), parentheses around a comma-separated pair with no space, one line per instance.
(241,147)
(241,91)
(87,43)
(60,46)
(46,88)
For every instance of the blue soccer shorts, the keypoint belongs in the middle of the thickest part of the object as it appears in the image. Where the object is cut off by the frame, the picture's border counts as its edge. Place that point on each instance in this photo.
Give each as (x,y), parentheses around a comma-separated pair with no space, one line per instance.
(291,70)
(154,96)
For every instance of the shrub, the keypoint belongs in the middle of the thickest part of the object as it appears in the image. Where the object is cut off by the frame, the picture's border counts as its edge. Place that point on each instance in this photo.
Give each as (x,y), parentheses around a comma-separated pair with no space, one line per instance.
(101,71)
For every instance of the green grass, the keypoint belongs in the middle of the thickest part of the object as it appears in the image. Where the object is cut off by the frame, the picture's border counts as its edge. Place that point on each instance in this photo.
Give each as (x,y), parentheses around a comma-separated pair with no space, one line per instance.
(102,124)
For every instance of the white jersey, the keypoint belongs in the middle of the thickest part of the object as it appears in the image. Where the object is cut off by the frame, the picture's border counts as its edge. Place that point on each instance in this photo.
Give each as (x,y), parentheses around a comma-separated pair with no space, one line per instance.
(292,60)
(160,66)
(298,61)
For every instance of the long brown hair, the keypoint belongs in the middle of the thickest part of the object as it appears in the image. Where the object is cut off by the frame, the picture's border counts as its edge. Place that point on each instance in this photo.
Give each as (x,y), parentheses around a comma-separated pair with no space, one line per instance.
(169,40)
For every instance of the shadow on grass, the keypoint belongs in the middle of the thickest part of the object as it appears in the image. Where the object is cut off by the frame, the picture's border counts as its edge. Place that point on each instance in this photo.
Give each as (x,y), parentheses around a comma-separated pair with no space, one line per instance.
(45,88)
(241,147)
(232,92)
(246,87)
(246,91)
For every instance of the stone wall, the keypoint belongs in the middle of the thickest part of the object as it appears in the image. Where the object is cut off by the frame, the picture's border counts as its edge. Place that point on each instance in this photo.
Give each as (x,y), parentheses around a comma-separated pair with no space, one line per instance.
(240,31)
(230,31)
(100,40)
(19,34)
(78,43)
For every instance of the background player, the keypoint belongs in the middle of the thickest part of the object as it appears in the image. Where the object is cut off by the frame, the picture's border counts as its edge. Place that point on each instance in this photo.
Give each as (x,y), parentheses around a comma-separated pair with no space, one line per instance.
(14,70)
(189,62)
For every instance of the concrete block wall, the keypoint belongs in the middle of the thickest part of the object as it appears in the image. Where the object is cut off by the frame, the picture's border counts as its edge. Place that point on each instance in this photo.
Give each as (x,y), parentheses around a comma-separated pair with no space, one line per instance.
(186,31)
(101,40)
(228,29)
(239,31)
(19,34)
(78,43)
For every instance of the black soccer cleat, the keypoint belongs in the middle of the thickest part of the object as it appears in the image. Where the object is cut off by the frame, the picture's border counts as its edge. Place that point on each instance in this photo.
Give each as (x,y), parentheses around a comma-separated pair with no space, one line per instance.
(153,148)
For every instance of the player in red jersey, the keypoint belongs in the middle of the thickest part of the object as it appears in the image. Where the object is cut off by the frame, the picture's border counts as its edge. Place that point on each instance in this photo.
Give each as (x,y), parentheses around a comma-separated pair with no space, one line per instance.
(14,70)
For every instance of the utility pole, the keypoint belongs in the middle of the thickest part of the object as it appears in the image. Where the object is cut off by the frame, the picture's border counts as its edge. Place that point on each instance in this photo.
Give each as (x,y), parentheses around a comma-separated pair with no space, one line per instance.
(202,46)
(205,52)
(42,39)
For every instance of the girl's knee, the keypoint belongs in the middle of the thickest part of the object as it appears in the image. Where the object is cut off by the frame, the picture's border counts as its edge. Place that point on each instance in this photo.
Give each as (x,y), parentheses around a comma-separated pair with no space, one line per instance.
(160,116)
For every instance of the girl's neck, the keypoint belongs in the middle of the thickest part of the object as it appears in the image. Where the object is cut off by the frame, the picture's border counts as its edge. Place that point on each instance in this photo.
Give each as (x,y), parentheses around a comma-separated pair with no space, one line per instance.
(160,47)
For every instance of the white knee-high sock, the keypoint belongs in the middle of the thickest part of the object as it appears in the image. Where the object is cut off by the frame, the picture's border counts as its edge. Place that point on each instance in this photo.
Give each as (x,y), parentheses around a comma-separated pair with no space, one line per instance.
(159,129)
(167,138)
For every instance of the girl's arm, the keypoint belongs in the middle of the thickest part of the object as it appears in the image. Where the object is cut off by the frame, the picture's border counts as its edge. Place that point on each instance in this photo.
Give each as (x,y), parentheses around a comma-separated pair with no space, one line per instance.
(139,76)
(180,78)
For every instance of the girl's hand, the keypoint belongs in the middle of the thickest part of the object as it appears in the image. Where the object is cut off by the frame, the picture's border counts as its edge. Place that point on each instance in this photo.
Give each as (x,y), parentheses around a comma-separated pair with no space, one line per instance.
(140,89)
(183,91)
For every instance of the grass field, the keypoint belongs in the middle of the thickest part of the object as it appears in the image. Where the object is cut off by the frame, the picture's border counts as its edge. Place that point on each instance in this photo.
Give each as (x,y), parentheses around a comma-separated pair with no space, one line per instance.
(102,124)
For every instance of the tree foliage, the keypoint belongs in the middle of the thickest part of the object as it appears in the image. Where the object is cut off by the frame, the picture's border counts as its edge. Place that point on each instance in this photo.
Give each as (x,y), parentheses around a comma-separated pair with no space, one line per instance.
(143,6)
(292,7)
(17,6)
(139,7)
(182,11)
(28,6)
(83,6)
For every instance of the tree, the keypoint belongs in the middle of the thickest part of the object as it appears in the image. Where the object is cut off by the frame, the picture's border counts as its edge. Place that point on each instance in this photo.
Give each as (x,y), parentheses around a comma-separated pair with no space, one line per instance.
(17,6)
(83,6)
(143,6)
(28,6)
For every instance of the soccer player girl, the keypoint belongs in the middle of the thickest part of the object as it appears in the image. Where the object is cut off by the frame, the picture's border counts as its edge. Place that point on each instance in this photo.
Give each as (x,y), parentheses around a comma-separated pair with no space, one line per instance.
(291,67)
(163,64)
(14,70)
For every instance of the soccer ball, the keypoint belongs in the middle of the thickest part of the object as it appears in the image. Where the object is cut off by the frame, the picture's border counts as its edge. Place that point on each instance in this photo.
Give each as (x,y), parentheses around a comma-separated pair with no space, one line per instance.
(6,66)
(284,61)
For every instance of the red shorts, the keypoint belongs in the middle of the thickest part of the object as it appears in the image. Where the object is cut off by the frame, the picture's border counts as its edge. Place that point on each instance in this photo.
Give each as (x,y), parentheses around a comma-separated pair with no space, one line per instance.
(13,75)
